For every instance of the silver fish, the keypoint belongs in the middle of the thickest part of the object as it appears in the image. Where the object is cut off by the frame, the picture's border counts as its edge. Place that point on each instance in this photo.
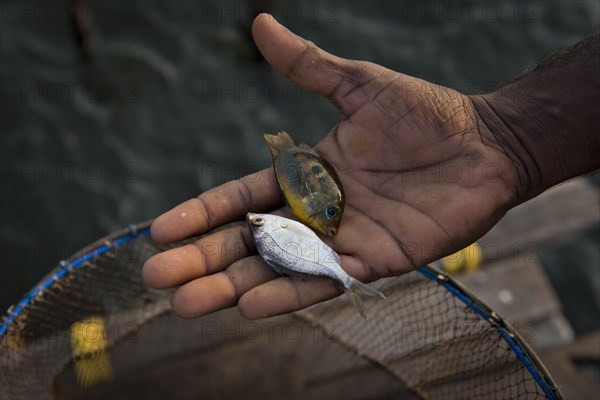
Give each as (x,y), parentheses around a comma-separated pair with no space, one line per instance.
(290,248)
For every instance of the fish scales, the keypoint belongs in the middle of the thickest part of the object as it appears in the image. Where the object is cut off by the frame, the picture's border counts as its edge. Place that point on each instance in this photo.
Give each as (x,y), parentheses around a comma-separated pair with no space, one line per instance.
(307,259)
(309,183)
(290,248)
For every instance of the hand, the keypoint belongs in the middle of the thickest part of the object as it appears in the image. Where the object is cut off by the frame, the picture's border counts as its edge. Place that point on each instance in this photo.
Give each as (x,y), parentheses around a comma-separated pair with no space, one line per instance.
(423,177)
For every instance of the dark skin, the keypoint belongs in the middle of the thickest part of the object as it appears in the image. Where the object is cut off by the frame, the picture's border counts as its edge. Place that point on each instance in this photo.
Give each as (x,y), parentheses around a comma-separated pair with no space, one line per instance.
(426,171)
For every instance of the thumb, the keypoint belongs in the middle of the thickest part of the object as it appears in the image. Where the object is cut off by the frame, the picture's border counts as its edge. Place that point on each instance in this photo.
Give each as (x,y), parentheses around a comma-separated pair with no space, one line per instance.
(308,66)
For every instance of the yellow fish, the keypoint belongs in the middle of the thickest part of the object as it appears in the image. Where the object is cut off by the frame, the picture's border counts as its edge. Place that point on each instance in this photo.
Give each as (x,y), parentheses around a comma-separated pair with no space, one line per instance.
(309,183)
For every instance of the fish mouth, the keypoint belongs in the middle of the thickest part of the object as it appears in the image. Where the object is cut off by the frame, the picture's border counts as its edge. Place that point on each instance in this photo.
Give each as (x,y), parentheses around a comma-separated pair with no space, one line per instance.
(316,225)
(254,221)
(249,218)
(331,231)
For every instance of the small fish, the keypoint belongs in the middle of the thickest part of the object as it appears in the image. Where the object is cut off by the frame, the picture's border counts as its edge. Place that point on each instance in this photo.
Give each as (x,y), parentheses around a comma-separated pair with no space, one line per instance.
(290,248)
(309,183)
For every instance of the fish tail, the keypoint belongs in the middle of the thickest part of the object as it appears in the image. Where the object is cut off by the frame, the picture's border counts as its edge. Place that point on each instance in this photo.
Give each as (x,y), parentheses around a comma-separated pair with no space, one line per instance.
(358,288)
(278,142)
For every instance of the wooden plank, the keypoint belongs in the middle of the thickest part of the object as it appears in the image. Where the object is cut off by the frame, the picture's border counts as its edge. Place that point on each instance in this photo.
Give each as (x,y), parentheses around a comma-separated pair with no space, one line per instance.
(521,292)
(568,367)
(550,218)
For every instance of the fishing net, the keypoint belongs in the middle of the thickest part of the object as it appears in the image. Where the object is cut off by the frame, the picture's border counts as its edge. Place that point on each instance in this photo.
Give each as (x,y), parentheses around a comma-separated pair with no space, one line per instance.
(92,329)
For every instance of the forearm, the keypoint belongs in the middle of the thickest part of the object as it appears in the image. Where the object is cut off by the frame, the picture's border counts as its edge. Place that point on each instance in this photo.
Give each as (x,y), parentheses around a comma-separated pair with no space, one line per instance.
(548,121)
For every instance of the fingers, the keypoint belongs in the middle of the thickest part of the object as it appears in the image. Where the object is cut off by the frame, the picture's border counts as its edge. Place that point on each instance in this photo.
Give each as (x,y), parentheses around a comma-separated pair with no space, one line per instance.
(310,67)
(211,254)
(221,290)
(270,293)
(221,205)
(257,290)
(285,295)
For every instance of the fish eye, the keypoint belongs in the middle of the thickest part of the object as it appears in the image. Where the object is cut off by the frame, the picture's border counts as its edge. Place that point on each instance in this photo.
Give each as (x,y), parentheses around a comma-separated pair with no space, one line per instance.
(258,222)
(330,212)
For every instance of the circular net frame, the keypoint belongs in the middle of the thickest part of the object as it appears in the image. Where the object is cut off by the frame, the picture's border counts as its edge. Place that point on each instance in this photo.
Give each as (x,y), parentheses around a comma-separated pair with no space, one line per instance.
(429,339)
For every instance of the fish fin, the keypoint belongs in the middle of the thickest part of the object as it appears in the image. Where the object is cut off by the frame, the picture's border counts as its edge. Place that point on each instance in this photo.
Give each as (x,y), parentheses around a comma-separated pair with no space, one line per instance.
(277,268)
(358,288)
(357,303)
(278,142)
(310,150)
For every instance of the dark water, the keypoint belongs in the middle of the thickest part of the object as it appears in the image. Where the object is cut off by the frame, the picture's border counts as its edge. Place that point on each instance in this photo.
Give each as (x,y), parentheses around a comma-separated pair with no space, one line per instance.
(119,114)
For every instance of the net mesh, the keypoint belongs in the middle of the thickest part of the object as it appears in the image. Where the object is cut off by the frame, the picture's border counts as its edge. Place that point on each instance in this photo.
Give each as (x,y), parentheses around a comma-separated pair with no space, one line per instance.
(428,339)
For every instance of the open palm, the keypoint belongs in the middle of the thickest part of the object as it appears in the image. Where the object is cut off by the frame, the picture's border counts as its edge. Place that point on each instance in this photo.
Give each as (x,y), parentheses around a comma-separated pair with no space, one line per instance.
(423,177)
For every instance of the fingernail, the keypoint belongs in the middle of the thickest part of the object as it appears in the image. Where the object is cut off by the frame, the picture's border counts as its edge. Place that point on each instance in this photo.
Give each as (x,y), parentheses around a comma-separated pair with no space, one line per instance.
(260,15)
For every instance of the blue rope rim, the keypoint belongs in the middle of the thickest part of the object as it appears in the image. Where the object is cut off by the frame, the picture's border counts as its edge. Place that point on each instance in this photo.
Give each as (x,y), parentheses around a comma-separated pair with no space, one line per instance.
(520,348)
(66,266)
(505,330)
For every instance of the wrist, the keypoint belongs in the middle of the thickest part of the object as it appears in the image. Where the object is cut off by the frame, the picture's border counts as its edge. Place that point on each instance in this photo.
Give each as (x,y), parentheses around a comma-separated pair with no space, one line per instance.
(547,128)
(547,121)
(497,116)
